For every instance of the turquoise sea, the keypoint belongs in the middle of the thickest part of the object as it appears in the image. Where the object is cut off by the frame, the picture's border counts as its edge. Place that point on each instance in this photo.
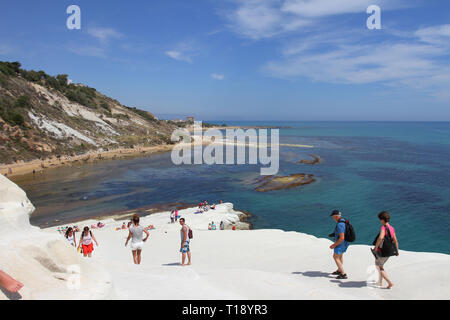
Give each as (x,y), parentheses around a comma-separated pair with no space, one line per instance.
(401,167)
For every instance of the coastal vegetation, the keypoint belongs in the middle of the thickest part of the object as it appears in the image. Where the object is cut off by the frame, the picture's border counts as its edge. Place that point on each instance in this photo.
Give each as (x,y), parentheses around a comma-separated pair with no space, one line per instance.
(43,115)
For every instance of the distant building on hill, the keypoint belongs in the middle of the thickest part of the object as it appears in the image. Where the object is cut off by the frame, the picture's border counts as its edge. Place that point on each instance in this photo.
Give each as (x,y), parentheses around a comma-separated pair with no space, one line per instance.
(190,119)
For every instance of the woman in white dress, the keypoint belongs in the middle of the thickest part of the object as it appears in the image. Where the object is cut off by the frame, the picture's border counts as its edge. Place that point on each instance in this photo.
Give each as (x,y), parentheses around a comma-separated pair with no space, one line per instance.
(137,243)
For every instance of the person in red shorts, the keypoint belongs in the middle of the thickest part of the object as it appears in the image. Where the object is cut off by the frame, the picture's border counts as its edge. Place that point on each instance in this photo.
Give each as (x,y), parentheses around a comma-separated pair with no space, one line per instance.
(86,242)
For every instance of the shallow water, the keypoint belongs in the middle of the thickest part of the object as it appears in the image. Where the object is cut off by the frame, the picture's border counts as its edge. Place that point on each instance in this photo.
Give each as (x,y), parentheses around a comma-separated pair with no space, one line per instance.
(368,167)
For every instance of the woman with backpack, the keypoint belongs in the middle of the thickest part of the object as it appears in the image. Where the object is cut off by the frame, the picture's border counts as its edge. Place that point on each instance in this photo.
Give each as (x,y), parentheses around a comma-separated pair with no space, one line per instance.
(386,245)
(86,242)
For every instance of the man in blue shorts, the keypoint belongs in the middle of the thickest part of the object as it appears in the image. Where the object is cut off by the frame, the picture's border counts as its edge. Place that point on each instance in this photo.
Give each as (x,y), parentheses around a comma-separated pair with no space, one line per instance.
(340,245)
(184,232)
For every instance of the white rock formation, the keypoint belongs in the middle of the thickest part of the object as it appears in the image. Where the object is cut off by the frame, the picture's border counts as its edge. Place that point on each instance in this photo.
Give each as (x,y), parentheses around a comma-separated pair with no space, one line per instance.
(44,262)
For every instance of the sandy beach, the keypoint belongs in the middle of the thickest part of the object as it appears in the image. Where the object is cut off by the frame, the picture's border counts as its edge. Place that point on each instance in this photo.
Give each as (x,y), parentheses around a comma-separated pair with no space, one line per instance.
(241,264)
(23,168)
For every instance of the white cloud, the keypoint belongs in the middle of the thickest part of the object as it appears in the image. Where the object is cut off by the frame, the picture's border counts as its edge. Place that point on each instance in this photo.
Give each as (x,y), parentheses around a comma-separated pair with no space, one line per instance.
(178,55)
(319,8)
(184,51)
(436,34)
(217,76)
(414,63)
(258,19)
(104,34)
(262,19)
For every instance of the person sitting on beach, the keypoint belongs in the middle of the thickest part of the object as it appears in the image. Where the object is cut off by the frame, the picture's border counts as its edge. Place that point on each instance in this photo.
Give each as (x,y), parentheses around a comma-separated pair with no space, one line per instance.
(185,240)
(100,225)
(86,242)
(200,205)
(222,225)
(124,226)
(137,243)
(209,226)
(389,231)
(8,283)
(213,207)
(70,236)
(213,226)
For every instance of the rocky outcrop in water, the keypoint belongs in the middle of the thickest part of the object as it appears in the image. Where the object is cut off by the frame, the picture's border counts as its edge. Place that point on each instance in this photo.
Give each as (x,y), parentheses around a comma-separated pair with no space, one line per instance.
(316,160)
(270,183)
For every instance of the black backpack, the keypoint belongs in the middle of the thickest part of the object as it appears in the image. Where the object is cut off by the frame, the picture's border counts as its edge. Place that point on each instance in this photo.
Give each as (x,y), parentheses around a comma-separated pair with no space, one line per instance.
(350,235)
(388,247)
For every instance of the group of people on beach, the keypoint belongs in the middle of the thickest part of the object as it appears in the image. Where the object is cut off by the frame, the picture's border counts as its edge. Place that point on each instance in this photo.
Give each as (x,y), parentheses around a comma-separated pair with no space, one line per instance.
(204,207)
(385,245)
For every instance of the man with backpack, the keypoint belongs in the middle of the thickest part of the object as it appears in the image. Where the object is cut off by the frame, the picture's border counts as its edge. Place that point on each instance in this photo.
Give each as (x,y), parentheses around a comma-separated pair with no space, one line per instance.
(342,238)
(186,236)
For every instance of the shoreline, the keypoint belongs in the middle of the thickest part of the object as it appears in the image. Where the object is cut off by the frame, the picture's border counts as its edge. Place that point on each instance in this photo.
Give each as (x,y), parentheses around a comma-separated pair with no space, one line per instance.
(38,166)
(143,212)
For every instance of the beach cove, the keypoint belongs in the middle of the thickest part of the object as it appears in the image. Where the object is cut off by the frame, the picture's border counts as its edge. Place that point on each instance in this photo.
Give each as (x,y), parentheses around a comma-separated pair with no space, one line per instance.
(256,264)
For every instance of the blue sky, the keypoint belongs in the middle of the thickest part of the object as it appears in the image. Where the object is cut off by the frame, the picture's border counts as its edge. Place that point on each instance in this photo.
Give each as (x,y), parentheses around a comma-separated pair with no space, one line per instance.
(245,59)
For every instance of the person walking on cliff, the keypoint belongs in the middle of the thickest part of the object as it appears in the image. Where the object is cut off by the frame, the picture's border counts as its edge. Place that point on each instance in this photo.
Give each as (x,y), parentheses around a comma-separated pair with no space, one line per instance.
(136,232)
(340,245)
(86,242)
(386,245)
(185,239)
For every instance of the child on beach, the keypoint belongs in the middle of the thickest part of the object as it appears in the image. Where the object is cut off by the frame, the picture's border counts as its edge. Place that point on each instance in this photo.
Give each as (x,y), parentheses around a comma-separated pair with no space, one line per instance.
(86,242)
(70,236)
(387,233)
(213,226)
(172,217)
(137,243)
